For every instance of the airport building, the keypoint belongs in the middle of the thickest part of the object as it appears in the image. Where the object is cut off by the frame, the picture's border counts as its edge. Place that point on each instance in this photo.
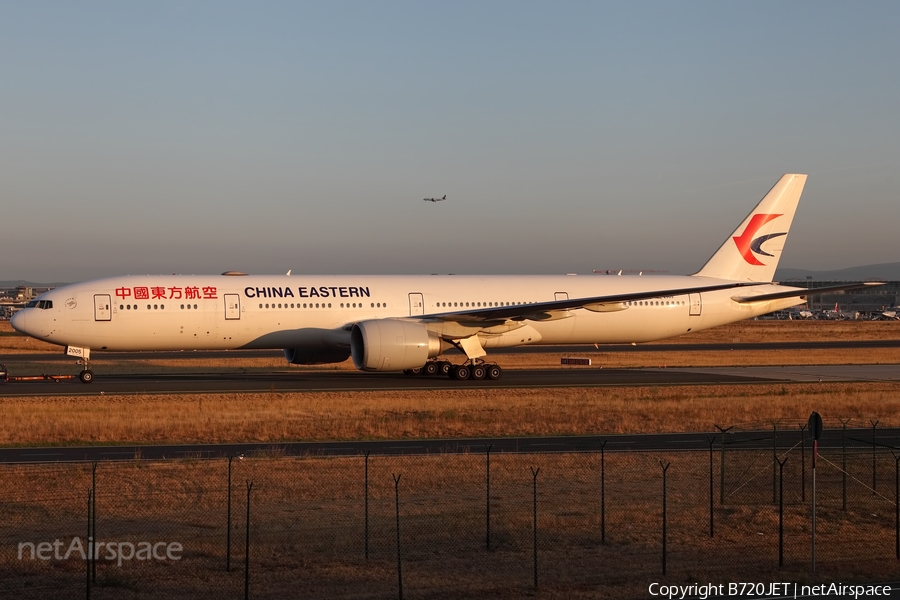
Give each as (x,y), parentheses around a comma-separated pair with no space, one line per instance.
(865,301)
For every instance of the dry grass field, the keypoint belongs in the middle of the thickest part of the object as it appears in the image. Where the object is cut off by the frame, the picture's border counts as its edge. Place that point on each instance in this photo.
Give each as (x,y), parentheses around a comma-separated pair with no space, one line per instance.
(308,526)
(274,417)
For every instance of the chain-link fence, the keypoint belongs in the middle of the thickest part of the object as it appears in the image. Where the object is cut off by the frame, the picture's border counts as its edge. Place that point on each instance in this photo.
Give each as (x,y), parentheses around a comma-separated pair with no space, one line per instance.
(466,525)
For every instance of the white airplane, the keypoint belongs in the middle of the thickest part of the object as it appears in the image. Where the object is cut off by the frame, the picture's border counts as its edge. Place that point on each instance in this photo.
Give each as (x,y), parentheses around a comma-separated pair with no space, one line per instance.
(834,314)
(435,199)
(405,323)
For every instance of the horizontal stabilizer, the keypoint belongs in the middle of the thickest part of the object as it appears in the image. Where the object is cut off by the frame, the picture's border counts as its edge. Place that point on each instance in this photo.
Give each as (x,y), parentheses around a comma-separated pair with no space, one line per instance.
(795,293)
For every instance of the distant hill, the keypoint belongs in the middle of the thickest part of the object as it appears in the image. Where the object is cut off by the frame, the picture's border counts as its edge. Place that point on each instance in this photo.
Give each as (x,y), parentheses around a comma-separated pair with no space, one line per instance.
(22,282)
(884,271)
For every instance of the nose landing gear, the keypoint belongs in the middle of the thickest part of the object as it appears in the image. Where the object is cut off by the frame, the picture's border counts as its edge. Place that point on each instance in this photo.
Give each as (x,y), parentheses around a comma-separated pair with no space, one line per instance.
(84,359)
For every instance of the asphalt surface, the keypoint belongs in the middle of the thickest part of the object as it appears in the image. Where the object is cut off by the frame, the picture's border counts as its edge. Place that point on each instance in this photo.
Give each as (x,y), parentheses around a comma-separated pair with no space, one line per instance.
(294,380)
(353,381)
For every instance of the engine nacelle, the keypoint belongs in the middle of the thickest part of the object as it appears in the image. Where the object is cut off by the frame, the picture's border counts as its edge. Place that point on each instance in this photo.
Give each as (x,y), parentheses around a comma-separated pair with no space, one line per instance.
(316,355)
(393,345)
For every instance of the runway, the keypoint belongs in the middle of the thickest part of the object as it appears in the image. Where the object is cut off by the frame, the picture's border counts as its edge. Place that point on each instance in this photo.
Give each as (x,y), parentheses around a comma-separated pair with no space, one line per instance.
(353,381)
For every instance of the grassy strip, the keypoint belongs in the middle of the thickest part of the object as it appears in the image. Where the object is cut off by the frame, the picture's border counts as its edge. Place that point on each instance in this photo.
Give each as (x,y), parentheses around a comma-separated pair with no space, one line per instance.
(276,417)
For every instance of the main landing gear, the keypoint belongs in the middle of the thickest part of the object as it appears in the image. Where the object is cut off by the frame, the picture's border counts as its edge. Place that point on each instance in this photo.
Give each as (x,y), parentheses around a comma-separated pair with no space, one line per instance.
(469,370)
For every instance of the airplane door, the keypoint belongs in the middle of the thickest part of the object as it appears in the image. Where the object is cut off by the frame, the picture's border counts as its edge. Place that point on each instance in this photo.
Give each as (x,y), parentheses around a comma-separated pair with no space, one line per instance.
(102,307)
(561,296)
(696,304)
(232,307)
(416,305)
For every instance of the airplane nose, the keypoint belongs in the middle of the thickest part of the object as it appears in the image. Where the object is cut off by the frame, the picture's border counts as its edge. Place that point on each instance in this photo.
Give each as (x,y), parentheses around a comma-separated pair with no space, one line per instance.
(18,321)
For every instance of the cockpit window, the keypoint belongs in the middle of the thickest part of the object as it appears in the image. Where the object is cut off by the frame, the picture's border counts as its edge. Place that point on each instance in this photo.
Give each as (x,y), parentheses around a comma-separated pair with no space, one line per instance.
(42,304)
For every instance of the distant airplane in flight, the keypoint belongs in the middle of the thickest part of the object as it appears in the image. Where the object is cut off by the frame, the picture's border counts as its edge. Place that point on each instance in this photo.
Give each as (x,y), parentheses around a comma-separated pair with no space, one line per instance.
(407,322)
(435,199)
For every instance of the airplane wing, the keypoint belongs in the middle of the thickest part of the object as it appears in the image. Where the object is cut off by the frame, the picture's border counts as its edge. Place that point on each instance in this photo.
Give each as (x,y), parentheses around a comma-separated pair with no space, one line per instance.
(804,292)
(540,311)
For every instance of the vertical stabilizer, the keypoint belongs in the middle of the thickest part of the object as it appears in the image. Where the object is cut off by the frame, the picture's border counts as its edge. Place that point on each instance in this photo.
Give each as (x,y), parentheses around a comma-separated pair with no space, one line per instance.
(753,250)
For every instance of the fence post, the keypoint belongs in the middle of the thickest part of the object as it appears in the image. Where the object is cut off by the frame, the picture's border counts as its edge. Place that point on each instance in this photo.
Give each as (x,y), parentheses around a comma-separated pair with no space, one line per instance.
(896,505)
(665,468)
(803,461)
(90,547)
(534,476)
(774,460)
(712,440)
(602,492)
(93,517)
(781,511)
(844,463)
(722,469)
(366,518)
(874,449)
(228,520)
(397,504)
(247,546)
(487,498)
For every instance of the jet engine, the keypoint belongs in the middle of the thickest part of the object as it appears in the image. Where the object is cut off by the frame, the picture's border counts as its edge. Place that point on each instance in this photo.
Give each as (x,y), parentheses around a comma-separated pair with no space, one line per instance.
(393,345)
(316,355)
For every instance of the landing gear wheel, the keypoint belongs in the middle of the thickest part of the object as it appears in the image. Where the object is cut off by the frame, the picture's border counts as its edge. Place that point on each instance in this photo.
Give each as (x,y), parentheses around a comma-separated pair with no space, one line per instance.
(494,372)
(461,371)
(430,368)
(416,371)
(444,367)
(86,376)
(407,372)
(477,372)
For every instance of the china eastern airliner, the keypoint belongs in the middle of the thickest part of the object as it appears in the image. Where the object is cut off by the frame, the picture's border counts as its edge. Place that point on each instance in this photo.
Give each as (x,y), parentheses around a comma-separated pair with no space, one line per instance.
(407,323)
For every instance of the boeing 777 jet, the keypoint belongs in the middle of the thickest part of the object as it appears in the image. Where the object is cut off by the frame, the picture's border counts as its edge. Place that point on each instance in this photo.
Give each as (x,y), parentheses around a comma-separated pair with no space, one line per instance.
(407,323)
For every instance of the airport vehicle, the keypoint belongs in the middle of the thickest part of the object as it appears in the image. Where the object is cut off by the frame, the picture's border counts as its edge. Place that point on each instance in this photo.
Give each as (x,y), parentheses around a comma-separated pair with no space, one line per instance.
(5,376)
(435,199)
(406,323)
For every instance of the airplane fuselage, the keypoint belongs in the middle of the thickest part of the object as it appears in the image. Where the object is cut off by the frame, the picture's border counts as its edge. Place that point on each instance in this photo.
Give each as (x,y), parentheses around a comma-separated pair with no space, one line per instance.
(189,312)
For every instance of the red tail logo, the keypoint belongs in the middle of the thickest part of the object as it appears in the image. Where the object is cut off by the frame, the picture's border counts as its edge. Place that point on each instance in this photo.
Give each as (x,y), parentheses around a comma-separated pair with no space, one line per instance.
(747,244)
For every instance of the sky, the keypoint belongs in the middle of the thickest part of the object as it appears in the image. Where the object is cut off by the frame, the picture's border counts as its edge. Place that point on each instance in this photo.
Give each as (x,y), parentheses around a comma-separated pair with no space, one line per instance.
(200,137)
